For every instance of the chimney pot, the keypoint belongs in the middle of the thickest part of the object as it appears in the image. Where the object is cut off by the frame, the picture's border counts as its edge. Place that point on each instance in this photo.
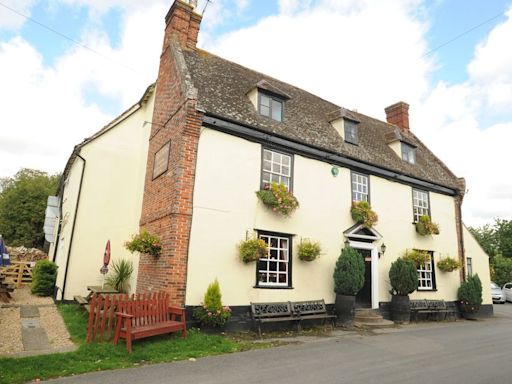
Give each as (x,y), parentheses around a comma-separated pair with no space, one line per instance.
(398,114)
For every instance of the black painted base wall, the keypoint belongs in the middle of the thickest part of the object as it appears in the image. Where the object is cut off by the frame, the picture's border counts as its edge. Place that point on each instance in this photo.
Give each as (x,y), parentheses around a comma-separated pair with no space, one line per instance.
(486,311)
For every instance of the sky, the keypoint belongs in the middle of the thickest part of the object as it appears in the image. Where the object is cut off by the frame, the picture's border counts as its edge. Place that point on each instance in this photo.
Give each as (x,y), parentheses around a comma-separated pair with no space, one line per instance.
(68,67)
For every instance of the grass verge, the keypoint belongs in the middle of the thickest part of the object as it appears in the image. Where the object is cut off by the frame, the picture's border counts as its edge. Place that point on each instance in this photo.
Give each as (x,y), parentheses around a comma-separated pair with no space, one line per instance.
(102,356)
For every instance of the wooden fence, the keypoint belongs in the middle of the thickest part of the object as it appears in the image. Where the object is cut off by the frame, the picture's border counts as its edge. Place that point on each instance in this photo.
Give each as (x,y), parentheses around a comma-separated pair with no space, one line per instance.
(19,272)
(102,316)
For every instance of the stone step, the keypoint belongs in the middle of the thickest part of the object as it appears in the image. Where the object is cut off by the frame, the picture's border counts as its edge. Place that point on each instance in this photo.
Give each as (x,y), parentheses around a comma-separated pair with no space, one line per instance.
(367,312)
(368,319)
(380,324)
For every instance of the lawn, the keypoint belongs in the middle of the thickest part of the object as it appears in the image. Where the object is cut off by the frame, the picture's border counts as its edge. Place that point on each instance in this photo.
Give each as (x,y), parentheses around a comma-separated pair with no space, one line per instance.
(101,356)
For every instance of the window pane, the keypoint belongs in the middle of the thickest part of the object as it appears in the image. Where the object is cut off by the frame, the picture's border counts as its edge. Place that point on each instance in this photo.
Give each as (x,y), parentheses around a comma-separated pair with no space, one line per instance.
(264,101)
(277,109)
(265,111)
(267,155)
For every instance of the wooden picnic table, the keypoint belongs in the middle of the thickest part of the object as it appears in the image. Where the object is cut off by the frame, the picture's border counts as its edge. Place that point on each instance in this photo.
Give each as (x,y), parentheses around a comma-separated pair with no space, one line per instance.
(100,290)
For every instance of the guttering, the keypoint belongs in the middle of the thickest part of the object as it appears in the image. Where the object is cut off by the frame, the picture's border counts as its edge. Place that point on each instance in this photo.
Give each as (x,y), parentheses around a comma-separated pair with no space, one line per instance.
(74,223)
(256,134)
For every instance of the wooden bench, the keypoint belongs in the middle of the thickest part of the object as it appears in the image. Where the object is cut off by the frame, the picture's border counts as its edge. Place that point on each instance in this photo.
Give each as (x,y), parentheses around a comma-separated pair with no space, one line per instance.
(147,315)
(431,308)
(311,310)
(289,311)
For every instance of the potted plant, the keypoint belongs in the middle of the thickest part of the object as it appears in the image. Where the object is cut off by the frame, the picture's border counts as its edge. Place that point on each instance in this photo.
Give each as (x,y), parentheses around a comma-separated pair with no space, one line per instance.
(145,242)
(278,198)
(362,213)
(470,297)
(348,280)
(425,226)
(418,257)
(403,277)
(448,264)
(308,250)
(212,314)
(252,250)
(119,278)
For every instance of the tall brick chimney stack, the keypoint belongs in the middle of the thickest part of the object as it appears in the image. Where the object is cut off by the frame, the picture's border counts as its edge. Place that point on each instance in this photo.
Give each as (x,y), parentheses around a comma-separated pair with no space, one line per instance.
(182,24)
(398,114)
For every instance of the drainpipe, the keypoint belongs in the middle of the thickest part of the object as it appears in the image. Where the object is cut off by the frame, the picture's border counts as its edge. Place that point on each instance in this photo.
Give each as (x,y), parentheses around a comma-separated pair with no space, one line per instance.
(460,230)
(73,227)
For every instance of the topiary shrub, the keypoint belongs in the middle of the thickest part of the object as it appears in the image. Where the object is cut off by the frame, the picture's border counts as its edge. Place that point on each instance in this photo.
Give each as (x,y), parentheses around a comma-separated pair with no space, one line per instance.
(349,272)
(470,294)
(403,277)
(212,313)
(44,276)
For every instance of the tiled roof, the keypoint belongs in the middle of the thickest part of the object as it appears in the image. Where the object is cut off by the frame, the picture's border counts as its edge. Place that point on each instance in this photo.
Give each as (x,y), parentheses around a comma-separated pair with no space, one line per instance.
(222,88)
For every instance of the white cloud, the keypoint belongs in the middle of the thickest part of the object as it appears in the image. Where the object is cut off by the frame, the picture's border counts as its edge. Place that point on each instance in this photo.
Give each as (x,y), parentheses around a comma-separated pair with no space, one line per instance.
(10,19)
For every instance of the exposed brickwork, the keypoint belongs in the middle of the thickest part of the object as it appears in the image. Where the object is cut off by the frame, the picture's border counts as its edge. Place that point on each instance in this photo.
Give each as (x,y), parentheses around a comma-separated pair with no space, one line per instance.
(398,114)
(167,203)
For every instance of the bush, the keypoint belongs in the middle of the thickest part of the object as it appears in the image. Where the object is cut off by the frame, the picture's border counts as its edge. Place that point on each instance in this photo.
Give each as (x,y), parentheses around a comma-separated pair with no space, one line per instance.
(362,213)
(403,277)
(349,272)
(252,250)
(119,278)
(145,242)
(424,226)
(44,276)
(212,313)
(308,250)
(448,264)
(470,294)
(501,270)
(278,198)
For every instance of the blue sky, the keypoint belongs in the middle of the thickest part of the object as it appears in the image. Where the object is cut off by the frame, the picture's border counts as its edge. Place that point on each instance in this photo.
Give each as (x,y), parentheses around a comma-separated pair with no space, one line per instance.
(361,54)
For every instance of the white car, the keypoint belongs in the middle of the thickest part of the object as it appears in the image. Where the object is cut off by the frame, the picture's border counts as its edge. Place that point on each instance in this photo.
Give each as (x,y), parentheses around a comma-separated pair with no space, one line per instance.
(498,295)
(507,291)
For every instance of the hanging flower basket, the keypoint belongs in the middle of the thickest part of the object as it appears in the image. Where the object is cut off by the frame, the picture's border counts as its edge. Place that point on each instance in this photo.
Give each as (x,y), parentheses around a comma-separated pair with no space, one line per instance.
(419,258)
(278,198)
(308,250)
(448,264)
(252,250)
(425,226)
(145,242)
(362,213)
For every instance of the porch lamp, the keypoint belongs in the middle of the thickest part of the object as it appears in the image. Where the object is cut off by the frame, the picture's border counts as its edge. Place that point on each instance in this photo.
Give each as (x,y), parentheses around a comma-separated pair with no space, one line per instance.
(383,249)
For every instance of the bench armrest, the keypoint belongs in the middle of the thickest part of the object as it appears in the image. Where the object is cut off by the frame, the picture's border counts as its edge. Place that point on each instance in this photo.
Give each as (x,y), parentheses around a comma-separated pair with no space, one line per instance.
(125,315)
(176,310)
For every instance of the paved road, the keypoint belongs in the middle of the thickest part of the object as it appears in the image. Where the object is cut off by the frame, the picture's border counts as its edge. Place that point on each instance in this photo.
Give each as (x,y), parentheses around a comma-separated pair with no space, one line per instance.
(458,352)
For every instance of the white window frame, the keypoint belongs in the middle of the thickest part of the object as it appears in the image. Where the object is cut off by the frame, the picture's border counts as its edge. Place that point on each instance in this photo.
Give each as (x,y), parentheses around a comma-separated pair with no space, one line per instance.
(360,187)
(420,204)
(408,153)
(279,254)
(426,275)
(274,166)
(469,266)
(271,100)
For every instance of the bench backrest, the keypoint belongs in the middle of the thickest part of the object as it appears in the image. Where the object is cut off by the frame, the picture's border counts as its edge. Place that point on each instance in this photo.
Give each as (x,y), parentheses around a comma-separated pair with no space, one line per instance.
(436,304)
(309,307)
(418,304)
(269,310)
(147,309)
(102,316)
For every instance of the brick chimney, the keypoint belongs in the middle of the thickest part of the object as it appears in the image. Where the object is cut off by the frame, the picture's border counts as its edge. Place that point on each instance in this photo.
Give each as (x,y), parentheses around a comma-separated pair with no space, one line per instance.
(182,24)
(398,114)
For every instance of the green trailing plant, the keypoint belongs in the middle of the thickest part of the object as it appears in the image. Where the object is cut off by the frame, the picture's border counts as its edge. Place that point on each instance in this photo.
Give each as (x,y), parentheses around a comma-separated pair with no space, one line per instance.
(120,276)
(448,264)
(418,257)
(144,242)
(252,250)
(362,213)
(308,250)
(211,312)
(470,294)
(349,272)
(278,198)
(425,226)
(403,277)
(44,276)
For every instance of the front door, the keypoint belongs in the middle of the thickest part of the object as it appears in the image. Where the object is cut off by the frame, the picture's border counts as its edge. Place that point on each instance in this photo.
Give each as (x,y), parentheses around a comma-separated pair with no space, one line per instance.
(364,297)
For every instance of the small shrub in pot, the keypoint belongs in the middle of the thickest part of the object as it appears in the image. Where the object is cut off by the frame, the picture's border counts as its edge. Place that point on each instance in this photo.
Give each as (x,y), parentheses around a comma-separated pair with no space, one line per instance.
(469,295)
(403,277)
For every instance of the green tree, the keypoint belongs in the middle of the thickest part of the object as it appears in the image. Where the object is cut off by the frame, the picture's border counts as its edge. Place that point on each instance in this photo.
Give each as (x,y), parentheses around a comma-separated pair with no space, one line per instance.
(23,199)
(486,237)
(503,230)
(501,270)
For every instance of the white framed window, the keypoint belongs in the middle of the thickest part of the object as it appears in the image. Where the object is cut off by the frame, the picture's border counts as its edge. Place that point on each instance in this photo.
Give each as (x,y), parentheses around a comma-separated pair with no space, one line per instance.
(469,266)
(408,153)
(270,106)
(274,270)
(426,277)
(360,187)
(420,204)
(351,134)
(276,168)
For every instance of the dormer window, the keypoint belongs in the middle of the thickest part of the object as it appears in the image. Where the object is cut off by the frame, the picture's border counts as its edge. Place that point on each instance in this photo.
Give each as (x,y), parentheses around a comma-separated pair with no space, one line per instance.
(351,134)
(408,153)
(270,106)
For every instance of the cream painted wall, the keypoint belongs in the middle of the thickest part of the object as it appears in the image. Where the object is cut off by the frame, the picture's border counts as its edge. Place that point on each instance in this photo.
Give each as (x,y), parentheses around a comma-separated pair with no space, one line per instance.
(480,264)
(226,209)
(396,146)
(110,202)
(339,126)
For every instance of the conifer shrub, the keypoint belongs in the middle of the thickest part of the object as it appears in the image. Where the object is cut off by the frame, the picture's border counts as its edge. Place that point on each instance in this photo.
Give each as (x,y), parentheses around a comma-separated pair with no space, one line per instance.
(349,272)
(44,276)
(211,313)
(470,294)
(403,277)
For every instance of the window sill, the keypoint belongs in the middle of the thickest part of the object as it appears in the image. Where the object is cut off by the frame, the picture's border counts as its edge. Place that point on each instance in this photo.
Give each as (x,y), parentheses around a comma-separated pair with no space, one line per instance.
(270,287)
(426,290)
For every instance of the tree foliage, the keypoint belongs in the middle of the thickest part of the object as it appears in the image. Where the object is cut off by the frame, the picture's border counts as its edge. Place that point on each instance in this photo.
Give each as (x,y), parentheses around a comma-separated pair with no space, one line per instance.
(23,199)
(349,272)
(495,239)
(501,270)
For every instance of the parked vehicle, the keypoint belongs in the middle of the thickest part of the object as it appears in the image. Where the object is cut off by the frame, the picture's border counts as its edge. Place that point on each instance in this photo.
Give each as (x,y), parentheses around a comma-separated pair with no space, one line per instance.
(498,295)
(507,291)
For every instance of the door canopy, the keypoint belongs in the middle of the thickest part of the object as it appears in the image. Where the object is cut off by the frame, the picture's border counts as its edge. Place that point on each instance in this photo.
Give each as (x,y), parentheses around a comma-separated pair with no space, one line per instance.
(359,232)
